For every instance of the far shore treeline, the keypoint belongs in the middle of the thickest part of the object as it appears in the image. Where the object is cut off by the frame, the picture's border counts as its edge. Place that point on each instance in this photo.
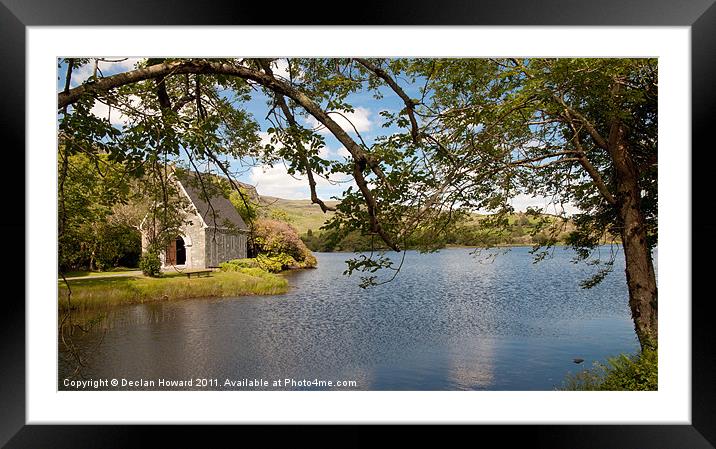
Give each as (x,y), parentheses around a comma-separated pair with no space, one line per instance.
(522,229)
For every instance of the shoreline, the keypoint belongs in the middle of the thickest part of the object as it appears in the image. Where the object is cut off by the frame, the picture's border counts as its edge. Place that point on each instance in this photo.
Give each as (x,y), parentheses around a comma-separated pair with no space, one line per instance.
(106,292)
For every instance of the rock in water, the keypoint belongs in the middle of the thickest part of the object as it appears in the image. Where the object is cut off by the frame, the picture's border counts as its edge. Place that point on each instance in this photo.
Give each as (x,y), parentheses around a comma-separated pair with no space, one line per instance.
(578,361)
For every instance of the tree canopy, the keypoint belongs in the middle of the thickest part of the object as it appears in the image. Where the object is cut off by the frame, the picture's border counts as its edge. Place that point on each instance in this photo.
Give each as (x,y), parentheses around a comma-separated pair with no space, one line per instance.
(470,134)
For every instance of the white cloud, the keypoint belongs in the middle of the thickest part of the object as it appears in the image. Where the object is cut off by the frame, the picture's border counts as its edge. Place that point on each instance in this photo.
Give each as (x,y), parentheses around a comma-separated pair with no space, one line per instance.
(115,116)
(360,118)
(275,181)
(80,75)
(280,68)
(521,202)
(344,153)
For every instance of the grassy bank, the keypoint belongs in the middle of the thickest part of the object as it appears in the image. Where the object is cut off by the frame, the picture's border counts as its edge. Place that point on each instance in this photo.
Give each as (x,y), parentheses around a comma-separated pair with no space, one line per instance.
(98,293)
(637,372)
(113,271)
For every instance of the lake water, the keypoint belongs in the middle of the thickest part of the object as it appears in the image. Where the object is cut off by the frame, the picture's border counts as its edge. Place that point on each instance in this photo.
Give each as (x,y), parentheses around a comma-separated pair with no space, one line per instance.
(448,321)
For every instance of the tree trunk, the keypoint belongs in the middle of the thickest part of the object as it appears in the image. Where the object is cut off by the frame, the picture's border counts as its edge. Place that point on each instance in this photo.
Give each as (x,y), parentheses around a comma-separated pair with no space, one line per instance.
(641,279)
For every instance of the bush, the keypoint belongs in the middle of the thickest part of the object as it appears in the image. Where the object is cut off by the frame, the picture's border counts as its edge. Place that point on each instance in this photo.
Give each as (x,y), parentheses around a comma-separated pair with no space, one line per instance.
(238,264)
(280,240)
(256,272)
(252,267)
(278,247)
(117,245)
(99,246)
(338,240)
(309,261)
(275,263)
(150,264)
(268,263)
(621,373)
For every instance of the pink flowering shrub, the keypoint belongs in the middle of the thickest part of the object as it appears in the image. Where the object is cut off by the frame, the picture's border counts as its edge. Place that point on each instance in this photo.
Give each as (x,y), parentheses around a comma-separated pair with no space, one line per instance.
(274,238)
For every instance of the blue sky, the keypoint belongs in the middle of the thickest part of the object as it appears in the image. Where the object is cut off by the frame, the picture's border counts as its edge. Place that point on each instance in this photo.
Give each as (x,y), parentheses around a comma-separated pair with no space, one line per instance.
(274,180)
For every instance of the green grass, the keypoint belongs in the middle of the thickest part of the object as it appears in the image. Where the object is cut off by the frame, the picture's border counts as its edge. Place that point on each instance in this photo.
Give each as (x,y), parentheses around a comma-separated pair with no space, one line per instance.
(90,294)
(116,270)
(302,214)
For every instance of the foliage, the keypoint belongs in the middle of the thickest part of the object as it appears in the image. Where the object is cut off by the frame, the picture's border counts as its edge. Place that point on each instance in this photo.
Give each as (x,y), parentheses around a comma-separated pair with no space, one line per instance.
(510,118)
(119,245)
(92,237)
(150,264)
(309,261)
(521,229)
(620,373)
(281,242)
(244,204)
(279,215)
(272,263)
(238,264)
(275,263)
(261,263)
(99,246)
(333,240)
(472,135)
(256,271)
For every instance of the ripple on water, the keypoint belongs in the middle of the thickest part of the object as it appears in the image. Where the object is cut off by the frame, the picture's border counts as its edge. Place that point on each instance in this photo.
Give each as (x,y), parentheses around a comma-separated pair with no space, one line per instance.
(448,321)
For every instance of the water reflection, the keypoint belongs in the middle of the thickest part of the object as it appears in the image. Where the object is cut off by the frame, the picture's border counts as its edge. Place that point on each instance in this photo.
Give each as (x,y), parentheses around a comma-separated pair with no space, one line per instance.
(447,322)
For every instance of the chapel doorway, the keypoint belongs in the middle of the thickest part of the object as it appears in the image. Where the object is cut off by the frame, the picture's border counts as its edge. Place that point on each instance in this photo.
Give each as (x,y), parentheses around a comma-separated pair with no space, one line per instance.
(176,252)
(171,254)
(180,251)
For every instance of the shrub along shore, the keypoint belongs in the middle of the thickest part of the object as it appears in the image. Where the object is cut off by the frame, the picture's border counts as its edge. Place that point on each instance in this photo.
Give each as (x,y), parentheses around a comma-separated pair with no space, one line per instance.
(90,294)
(638,372)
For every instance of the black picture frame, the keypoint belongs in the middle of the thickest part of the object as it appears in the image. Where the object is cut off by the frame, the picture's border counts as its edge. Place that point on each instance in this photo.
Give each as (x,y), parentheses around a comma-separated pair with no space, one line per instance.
(699,15)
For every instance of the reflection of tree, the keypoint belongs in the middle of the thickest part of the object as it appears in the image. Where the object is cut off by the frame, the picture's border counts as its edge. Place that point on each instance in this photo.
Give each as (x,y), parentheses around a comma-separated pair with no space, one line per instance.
(68,326)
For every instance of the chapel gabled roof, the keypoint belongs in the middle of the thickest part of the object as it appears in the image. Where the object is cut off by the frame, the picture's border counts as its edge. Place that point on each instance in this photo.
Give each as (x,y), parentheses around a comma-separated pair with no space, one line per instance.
(218,210)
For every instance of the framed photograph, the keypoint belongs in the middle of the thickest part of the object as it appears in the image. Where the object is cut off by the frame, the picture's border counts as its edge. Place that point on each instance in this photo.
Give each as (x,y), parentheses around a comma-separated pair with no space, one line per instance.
(478,189)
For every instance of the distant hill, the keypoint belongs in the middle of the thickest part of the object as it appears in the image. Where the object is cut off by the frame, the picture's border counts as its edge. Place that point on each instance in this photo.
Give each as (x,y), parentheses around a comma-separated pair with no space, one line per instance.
(301,214)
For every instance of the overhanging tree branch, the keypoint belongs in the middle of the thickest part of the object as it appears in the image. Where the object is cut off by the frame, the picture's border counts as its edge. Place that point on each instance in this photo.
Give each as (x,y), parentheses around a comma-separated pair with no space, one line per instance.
(199,66)
(589,168)
(573,115)
(266,66)
(409,103)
